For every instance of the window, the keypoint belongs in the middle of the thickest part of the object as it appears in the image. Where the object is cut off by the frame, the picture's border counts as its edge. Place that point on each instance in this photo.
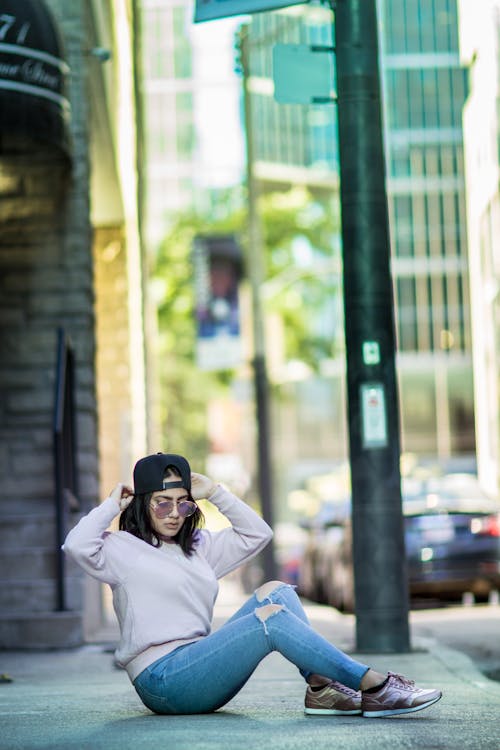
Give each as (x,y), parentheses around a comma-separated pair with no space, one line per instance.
(156,34)
(418,412)
(461,410)
(416,26)
(407,314)
(400,161)
(402,225)
(395,26)
(185,139)
(430,98)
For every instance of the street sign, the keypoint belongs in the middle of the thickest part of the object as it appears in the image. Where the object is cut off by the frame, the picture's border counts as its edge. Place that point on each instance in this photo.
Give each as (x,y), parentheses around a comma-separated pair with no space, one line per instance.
(302,75)
(208,10)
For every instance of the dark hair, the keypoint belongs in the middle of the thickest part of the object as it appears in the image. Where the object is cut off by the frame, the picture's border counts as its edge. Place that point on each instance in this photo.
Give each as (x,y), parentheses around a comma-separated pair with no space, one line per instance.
(136,520)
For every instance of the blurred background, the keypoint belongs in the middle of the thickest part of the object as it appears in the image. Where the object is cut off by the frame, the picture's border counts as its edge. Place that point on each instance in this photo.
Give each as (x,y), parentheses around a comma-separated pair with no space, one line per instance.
(129,139)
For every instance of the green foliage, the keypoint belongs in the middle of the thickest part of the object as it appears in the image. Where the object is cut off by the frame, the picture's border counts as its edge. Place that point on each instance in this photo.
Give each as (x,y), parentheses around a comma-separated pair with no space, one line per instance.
(300,236)
(185,390)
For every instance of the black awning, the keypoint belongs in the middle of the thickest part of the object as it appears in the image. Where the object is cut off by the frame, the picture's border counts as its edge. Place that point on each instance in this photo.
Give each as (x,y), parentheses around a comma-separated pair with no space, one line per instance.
(33,75)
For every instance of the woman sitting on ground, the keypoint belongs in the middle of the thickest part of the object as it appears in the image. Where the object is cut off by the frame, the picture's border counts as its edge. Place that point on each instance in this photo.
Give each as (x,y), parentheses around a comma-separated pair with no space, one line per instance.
(163,570)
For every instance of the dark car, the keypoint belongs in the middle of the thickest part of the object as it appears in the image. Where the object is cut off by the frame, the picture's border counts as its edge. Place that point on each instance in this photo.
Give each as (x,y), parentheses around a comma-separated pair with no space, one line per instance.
(452,538)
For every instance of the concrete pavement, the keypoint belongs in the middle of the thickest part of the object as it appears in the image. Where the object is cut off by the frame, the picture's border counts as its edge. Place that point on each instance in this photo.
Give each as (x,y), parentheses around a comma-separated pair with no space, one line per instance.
(78,699)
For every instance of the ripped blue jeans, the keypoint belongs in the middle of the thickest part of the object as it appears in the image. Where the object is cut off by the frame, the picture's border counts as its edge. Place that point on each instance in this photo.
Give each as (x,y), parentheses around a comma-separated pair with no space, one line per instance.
(201,677)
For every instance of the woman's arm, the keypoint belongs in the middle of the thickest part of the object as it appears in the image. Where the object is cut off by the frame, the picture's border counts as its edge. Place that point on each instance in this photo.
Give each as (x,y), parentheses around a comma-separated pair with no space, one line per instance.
(227,549)
(86,542)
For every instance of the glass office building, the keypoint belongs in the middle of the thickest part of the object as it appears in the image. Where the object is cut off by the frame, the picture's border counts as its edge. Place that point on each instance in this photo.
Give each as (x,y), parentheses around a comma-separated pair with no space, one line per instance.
(193,145)
(293,143)
(480,46)
(424,89)
(168,105)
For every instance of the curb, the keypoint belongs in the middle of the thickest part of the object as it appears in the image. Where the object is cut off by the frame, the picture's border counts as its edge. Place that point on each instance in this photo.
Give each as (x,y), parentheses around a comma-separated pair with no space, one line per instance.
(458,664)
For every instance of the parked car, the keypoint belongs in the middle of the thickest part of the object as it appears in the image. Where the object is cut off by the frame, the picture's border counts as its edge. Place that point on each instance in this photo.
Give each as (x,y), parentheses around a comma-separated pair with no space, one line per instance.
(452,537)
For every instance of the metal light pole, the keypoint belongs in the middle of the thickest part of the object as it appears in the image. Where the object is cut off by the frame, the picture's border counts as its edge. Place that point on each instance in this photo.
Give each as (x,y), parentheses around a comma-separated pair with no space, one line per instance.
(255,272)
(381,588)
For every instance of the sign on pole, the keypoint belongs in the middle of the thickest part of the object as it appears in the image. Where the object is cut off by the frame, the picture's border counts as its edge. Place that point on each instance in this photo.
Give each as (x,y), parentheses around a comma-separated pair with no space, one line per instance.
(208,10)
(217,265)
(302,75)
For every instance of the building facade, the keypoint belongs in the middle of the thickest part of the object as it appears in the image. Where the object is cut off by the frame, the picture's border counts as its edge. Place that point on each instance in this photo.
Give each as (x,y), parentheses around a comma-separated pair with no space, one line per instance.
(296,146)
(188,80)
(425,86)
(424,89)
(480,52)
(169,112)
(70,284)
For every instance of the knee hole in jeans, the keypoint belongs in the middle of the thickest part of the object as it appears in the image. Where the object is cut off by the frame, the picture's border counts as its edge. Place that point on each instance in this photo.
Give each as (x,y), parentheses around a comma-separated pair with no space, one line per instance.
(267,611)
(267,588)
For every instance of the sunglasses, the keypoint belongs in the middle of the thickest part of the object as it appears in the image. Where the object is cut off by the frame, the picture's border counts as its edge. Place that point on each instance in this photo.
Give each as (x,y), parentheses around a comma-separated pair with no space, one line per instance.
(185,508)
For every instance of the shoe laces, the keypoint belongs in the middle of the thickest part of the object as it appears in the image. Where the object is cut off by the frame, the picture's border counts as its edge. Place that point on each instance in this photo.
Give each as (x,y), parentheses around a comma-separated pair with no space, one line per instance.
(401,681)
(340,688)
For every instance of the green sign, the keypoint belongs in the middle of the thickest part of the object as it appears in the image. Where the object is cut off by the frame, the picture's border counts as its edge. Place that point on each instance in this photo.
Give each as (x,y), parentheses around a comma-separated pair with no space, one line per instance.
(302,75)
(208,10)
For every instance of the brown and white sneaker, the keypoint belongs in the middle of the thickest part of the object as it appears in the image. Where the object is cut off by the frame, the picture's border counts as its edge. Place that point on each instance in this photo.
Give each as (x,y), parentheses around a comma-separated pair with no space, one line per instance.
(334,699)
(397,695)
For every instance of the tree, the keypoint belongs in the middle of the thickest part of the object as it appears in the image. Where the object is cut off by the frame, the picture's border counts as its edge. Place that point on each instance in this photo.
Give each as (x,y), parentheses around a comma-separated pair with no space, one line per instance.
(302,279)
(303,252)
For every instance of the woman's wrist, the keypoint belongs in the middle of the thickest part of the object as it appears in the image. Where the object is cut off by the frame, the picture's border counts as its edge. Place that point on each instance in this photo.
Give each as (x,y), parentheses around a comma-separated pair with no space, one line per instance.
(122,495)
(213,490)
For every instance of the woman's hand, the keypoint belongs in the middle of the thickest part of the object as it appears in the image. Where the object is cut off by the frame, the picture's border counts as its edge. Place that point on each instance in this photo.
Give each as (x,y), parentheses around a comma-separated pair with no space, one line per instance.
(123,495)
(201,486)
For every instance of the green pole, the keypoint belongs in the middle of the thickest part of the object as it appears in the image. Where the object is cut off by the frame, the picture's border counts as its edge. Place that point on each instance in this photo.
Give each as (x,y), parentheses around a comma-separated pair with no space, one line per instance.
(381,589)
(256,276)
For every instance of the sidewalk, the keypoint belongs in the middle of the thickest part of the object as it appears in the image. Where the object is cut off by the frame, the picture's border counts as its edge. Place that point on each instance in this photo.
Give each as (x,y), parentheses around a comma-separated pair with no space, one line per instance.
(78,699)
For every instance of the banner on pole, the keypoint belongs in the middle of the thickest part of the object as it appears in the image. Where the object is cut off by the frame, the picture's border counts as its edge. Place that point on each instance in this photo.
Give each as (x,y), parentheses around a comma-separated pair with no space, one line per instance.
(218,266)
(208,10)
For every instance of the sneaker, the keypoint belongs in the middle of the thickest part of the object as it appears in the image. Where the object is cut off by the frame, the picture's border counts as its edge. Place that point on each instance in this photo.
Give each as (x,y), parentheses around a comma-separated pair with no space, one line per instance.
(397,696)
(334,700)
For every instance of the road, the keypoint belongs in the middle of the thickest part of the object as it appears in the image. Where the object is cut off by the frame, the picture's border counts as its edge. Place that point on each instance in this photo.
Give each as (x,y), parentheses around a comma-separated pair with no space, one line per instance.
(474,630)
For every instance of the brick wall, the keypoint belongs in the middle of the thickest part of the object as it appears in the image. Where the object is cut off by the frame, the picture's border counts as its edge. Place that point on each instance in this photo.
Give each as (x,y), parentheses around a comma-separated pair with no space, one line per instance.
(46,281)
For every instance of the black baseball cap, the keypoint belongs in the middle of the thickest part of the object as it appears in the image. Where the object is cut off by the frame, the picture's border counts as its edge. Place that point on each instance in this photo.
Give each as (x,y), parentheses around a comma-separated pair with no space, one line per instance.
(149,473)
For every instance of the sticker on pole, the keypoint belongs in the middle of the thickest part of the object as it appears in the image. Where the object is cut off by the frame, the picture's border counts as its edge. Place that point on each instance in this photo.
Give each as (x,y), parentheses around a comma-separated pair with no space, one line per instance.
(371,353)
(374,417)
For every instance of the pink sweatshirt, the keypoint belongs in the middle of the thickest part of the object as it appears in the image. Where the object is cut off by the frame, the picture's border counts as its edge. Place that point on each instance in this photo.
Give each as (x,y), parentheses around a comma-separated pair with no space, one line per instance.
(162,598)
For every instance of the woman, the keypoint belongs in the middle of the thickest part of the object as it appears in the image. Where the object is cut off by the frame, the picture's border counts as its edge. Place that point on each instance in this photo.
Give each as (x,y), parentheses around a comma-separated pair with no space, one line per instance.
(163,572)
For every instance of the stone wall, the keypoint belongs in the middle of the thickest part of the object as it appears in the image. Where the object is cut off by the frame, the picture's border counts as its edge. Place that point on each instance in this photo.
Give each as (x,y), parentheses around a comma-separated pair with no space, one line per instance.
(46,282)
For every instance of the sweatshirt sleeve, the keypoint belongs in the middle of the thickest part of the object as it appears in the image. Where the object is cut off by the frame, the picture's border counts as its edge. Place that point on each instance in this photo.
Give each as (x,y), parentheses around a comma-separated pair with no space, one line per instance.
(91,548)
(227,549)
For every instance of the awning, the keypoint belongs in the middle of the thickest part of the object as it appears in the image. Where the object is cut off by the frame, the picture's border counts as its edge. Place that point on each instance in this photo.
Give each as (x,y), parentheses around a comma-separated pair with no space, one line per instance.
(33,74)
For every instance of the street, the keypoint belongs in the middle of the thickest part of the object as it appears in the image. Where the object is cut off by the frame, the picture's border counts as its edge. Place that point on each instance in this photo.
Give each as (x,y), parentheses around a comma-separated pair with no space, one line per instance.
(473,630)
